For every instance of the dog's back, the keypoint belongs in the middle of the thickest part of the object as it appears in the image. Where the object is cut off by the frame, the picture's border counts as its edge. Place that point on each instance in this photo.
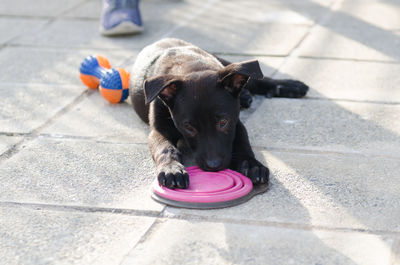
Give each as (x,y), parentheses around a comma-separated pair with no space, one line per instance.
(167,56)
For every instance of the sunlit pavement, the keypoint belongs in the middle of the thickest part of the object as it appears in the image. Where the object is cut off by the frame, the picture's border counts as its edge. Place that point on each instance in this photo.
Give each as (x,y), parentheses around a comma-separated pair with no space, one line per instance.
(75,171)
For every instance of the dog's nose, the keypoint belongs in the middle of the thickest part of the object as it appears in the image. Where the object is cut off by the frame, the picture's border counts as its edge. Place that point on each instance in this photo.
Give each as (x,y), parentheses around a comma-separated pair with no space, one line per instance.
(214,164)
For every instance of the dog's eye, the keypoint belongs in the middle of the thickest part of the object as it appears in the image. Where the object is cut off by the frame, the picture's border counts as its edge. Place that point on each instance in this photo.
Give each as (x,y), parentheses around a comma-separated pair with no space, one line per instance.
(190,130)
(222,124)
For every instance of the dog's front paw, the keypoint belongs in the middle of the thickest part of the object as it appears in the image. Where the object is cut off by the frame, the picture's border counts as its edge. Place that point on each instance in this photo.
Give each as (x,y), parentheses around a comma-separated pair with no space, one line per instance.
(254,170)
(290,89)
(173,175)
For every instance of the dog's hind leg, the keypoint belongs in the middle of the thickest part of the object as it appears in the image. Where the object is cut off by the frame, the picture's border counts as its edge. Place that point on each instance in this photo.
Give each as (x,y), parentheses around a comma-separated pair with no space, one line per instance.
(285,88)
(269,87)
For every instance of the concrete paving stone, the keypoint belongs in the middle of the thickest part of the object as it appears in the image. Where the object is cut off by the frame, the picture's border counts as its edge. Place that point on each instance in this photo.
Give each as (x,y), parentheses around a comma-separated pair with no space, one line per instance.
(284,12)
(43,8)
(194,242)
(361,42)
(7,142)
(79,172)
(320,190)
(359,13)
(148,9)
(89,9)
(396,252)
(85,34)
(51,65)
(274,11)
(28,103)
(380,14)
(40,236)
(324,125)
(95,117)
(325,3)
(25,107)
(254,12)
(18,26)
(234,27)
(335,79)
(243,38)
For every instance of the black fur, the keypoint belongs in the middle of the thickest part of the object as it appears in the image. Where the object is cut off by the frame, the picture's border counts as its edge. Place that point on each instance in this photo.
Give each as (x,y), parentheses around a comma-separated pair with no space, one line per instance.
(186,93)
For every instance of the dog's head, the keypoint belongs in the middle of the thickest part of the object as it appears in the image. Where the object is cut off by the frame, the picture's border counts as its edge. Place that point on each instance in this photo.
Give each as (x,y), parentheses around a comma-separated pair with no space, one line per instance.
(205,108)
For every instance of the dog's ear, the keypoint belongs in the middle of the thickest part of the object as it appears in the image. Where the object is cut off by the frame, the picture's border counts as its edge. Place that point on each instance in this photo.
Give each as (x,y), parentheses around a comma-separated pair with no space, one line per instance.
(235,76)
(164,86)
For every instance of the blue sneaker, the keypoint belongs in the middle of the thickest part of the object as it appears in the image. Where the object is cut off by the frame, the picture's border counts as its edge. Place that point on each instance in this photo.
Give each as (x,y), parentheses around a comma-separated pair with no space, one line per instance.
(120,17)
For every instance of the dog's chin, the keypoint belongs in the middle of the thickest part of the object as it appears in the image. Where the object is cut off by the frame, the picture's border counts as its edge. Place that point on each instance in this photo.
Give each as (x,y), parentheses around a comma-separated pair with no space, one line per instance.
(204,167)
(212,169)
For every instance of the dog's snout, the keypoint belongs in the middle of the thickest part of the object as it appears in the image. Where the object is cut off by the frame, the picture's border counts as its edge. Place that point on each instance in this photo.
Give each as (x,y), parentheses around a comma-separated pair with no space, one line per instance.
(214,164)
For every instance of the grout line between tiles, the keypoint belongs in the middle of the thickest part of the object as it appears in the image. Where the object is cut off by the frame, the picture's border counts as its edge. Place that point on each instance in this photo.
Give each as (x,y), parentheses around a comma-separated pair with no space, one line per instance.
(36,132)
(162,216)
(294,52)
(346,59)
(276,224)
(150,231)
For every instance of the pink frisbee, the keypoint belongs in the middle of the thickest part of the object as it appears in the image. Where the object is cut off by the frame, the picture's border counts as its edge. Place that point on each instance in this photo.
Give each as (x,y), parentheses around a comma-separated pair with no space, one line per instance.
(208,190)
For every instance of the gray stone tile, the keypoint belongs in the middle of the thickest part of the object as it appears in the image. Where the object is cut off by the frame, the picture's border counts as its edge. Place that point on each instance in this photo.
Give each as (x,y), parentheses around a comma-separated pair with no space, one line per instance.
(350,80)
(43,8)
(78,172)
(236,31)
(321,190)
(194,242)
(149,9)
(286,12)
(324,125)
(381,14)
(362,42)
(180,17)
(7,142)
(51,65)
(282,12)
(85,34)
(325,3)
(89,9)
(95,117)
(40,236)
(236,37)
(396,252)
(25,107)
(19,26)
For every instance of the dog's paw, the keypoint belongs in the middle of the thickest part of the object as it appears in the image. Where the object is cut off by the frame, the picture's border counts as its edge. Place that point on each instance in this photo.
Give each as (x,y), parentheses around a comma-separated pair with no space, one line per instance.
(254,170)
(173,175)
(290,89)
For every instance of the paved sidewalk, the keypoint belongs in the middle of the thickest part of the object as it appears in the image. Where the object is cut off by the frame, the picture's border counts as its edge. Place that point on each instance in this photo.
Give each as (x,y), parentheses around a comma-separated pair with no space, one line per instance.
(75,171)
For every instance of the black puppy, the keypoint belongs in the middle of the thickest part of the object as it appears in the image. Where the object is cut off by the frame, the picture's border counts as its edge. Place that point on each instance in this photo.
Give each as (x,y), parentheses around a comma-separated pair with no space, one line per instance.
(186,93)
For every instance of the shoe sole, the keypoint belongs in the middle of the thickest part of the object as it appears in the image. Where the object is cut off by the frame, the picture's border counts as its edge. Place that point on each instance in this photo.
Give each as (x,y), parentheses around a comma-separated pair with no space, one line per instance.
(124,28)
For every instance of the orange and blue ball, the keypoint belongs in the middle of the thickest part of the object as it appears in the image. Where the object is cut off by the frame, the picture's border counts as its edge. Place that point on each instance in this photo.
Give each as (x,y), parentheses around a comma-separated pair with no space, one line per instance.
(96,72)
(92,69)
(114,86)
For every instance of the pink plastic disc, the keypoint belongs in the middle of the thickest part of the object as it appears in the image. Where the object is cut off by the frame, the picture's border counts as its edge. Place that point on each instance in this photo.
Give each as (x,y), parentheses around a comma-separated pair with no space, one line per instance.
(208,187)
